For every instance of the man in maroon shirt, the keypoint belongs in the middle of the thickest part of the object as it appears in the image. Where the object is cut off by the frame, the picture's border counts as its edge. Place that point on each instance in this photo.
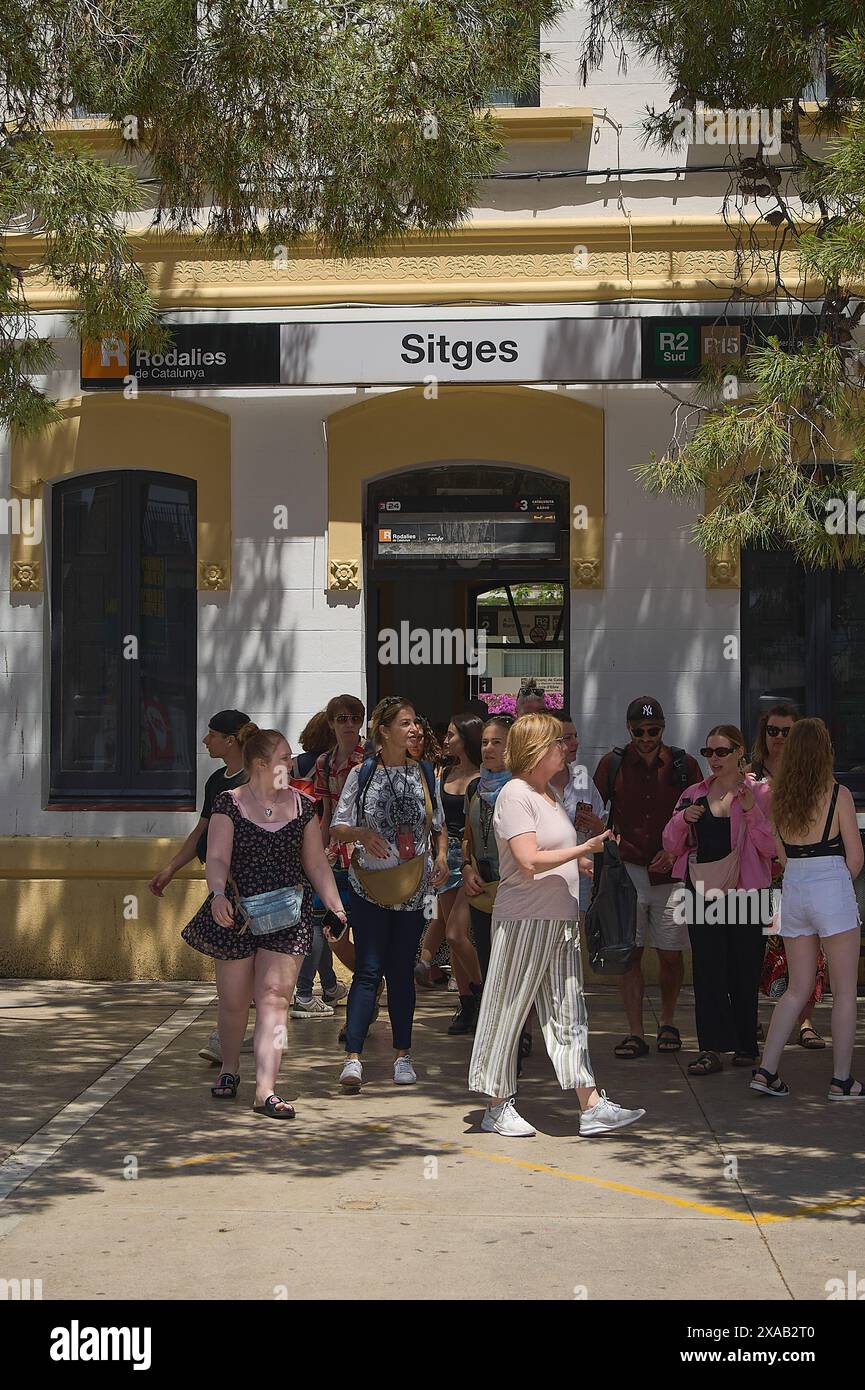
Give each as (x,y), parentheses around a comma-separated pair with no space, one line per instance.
(644,782)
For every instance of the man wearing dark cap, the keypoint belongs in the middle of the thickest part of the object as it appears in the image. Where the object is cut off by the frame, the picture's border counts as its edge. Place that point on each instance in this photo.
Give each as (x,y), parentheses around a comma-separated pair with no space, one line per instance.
(643,783)
(220,742)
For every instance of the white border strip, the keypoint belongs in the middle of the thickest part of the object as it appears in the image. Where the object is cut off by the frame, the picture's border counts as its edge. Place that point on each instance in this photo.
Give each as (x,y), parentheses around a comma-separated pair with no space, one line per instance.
(45,1143)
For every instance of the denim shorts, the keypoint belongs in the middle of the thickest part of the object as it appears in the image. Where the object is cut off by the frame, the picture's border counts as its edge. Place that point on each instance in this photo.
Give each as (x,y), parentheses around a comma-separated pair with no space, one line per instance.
(818,898)
(455,859)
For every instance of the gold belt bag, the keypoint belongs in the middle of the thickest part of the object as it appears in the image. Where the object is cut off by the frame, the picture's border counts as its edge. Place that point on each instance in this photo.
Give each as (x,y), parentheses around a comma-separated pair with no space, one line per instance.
(484,901)
(391,887)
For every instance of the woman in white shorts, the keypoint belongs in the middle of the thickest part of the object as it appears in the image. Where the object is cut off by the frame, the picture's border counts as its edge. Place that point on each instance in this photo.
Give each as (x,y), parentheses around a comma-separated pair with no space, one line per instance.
(820,846)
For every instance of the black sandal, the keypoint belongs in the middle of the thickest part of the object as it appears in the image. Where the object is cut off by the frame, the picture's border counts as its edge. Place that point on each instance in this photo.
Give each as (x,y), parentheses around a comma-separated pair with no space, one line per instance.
(847,1089)
(706,1064)
(771,1085)
(269,1109)
(631,1047)
(226,1086)
(811,1040)
(669,1039)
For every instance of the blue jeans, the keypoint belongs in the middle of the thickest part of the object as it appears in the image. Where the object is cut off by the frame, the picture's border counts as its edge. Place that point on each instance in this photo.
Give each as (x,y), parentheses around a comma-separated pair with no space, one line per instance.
(386,944)
(320,959)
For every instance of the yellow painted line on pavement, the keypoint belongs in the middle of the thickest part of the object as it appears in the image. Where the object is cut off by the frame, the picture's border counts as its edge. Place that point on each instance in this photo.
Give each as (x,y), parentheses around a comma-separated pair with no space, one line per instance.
(759,1219)
(811,1210)
(609,1186)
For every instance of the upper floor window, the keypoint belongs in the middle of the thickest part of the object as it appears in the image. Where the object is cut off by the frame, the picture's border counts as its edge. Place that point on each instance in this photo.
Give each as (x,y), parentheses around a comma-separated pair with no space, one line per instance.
(529,96)
(123,639)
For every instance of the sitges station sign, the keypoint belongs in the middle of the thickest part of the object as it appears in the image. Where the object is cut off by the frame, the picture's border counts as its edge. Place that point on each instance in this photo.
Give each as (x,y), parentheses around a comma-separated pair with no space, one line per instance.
(405,352)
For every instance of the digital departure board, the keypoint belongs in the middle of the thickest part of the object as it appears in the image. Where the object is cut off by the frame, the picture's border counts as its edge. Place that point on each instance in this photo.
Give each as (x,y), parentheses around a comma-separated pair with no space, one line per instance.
(467,528)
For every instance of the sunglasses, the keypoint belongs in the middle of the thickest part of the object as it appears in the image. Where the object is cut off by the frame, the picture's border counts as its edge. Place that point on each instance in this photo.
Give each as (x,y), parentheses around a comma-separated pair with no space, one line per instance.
(348,719)
(716,752)
(774,730)
(651,732)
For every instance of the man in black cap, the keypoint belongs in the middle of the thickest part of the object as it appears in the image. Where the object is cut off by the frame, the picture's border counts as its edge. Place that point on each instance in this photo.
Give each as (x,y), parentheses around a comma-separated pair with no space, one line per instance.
(220,742)
(643,783)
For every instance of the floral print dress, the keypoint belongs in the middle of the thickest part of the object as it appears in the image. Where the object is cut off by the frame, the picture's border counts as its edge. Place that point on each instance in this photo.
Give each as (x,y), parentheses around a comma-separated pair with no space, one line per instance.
(261,860)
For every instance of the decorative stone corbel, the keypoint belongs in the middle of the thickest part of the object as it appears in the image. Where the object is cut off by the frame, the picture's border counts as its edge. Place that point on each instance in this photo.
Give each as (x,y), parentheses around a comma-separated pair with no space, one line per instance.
(26,576)
(344,575)
(722,569)
(212,577)
(587,574)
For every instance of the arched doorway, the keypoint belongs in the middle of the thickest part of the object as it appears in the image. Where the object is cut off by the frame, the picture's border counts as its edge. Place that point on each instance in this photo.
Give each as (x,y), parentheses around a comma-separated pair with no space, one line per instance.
(551,448)
(467,590)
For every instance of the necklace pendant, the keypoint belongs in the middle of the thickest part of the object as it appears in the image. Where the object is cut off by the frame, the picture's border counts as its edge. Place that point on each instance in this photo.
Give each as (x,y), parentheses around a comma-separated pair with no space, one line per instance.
(268,811)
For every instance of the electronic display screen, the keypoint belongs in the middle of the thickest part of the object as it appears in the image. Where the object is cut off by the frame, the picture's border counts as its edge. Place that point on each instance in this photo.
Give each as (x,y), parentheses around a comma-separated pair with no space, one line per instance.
(467,528)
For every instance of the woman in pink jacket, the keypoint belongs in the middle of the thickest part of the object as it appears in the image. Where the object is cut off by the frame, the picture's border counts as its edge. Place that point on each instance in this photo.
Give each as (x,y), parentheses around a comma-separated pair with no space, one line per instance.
(722,837)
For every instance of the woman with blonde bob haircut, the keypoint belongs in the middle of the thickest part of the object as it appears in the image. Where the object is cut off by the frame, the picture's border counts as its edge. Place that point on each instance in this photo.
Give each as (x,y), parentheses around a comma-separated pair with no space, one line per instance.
(535,957)
(821,849)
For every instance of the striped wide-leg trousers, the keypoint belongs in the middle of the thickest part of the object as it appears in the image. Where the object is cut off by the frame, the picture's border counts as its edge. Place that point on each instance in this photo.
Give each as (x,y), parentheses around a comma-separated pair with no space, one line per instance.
(532,962)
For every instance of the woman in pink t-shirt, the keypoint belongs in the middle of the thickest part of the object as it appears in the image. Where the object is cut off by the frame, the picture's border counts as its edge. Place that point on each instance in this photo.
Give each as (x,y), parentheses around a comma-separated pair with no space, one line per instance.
(535,958)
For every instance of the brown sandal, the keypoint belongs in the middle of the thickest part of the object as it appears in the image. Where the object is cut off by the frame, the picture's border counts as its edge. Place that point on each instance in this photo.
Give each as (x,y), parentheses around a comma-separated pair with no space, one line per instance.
(811,1040)
(705,1064)
(631,1047)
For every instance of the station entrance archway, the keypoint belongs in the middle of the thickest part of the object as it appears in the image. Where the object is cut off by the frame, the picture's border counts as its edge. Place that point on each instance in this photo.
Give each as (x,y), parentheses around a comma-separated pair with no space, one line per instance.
(467,584)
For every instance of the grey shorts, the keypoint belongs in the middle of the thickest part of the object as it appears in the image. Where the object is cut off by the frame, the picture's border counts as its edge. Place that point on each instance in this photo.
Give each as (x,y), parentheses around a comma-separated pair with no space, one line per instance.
(656,923)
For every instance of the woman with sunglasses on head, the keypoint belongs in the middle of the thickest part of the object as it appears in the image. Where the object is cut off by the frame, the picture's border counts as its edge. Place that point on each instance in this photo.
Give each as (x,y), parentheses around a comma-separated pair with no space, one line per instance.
(391,813)
(722,837)
(818,842)
(773,731)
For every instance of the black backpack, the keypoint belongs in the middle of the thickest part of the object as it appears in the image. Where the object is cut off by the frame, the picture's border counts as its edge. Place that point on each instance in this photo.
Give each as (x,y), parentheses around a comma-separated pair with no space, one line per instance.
(611,917)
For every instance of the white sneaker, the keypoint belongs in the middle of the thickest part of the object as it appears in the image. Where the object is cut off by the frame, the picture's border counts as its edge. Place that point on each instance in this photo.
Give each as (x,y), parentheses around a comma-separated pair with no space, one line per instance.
(503,1119)
(404,1073)
(212,1050)
(351,1076)
(607,1116)
(310,1008)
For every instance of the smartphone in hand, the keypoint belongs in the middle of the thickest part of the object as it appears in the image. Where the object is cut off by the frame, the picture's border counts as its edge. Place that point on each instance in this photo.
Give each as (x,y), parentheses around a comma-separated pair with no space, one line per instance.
(336,926)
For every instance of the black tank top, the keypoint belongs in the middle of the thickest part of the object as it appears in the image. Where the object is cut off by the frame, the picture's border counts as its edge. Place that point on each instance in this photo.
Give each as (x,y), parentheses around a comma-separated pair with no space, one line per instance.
(824,846)
(453,805)
(713,835)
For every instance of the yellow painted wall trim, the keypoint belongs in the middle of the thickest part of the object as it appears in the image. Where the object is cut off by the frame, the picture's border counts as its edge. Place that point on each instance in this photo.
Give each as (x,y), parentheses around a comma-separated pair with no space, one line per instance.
(699,231)
(515,261)
(542,122)
(517,122)
(26,857)
(542,430)
(107,432)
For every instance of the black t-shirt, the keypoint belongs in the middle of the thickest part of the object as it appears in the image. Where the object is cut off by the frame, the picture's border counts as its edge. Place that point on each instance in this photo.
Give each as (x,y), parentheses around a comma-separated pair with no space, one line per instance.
(218,781)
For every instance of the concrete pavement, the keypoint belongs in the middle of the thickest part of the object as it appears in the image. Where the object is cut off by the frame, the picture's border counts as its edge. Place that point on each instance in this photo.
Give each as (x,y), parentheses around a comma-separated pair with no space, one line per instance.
(122,1178)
